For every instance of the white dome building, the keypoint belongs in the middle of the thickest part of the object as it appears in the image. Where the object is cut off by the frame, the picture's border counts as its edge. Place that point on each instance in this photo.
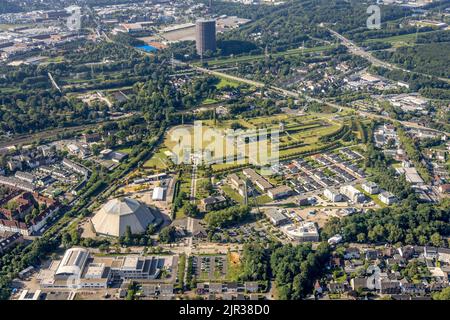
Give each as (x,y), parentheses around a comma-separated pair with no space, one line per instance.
(114,217)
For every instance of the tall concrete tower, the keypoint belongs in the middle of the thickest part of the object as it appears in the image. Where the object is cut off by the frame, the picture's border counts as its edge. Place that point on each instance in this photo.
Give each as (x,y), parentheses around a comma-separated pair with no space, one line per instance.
(205,36)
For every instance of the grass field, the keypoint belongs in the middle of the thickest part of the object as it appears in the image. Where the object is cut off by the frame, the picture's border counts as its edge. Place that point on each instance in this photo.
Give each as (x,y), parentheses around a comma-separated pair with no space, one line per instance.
(234,266)
(261,200)
(6,26)
(209,101)
(57,59)
(158,161)
(226,82)
(233,194)
(124,150)
(401,40)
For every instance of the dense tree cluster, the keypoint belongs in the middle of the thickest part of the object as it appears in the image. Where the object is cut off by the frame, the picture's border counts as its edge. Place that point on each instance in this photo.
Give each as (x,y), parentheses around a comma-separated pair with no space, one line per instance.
(431,58)
(167,234)
(443,295)
(415,81)
(438,36)
(22,257)
(227,217)
(256,263)
(8,6)
(408,223)
(38,105)
(296,268)
(384,175)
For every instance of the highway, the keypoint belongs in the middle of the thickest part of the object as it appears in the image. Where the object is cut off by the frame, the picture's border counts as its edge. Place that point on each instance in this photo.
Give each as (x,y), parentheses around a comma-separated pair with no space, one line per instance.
(358,51)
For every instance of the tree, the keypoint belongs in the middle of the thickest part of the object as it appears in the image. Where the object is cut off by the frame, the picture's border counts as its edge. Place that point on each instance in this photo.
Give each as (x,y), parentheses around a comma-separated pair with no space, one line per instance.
(361,237)
(255,262)
(191,210)
(104,248)
(443,295)
(226,217)
(66,240)
(167,234)
(128,236)
(436,239)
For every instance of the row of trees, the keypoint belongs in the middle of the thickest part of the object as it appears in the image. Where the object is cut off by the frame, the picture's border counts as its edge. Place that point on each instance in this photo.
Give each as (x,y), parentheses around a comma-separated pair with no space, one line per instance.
(412,149)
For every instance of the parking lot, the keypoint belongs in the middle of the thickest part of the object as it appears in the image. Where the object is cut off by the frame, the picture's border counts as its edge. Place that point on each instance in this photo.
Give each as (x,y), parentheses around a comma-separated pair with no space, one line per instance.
(210,267)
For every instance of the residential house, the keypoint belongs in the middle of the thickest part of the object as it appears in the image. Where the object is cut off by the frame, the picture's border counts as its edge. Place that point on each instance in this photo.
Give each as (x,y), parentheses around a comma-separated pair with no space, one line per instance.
(413,288)
(389,286)
(9,239)
(406,252)
(387,198)
(430,252)
(371,254)
(279,192)
(213,202)
(332,195)
(444,255)
(232,287)
(370,187)
(352,253)
(358,283)
(335,287)
(166,289)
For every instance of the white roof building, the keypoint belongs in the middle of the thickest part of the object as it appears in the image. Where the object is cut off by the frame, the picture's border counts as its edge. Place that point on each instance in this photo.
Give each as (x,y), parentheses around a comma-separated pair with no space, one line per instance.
(158,194)
(332,195)
(72,263)
(114,217)
(303,232)
(335,239)
(387,198)
(370,187)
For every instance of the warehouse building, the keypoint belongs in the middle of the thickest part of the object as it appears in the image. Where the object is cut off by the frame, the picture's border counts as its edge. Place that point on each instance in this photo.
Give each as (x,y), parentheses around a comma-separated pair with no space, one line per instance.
(276,217)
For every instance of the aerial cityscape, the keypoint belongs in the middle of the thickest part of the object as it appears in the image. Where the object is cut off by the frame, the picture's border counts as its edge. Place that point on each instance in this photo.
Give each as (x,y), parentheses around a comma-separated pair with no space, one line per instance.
(233,150)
